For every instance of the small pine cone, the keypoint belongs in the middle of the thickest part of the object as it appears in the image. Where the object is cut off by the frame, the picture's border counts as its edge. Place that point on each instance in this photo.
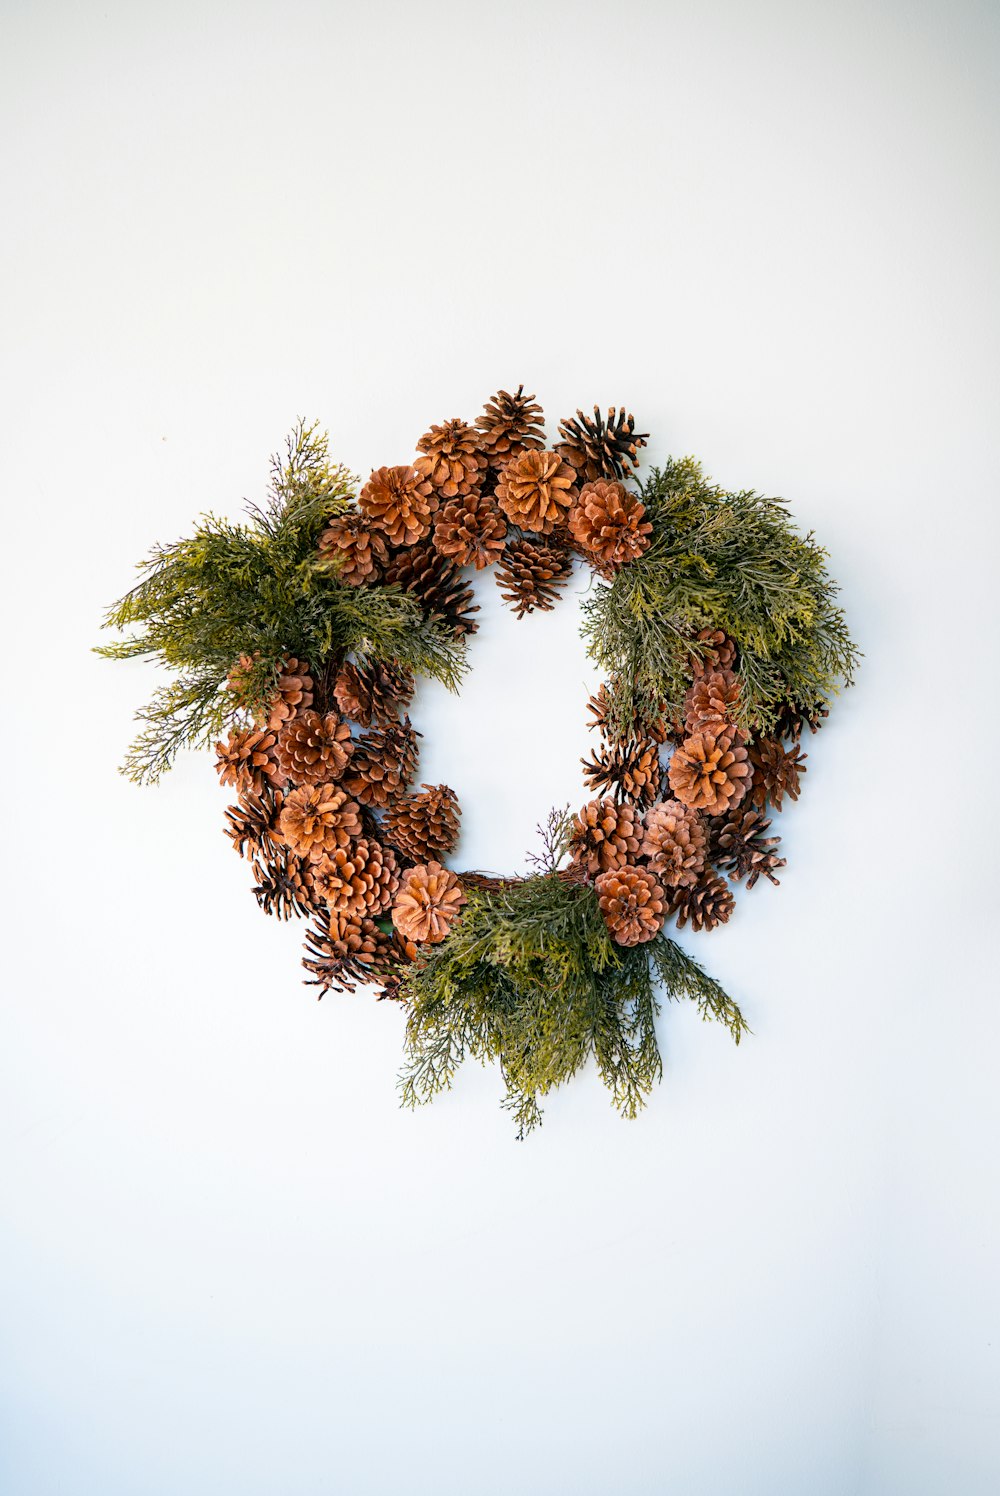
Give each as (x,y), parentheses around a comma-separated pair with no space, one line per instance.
(708,904)
(470,530)
(605,836)
(384,763)
(532,574)
(425,825)
(510,425)
(740,847)
(284,882)
(711,703)
(293,693)
(717,652)
(628,770)
(453,460)
(601,447)
(776,772)
(357,880)
(357,551)
(427,904)
(632,903)
(313,749)
(675,843)
(608,524)
(399,502)
(317,819)
(252,823)
(341,953)
(536,490)
(247,760)
(647,719)
(445,597)
(792,718)
(710,773)
(373,693)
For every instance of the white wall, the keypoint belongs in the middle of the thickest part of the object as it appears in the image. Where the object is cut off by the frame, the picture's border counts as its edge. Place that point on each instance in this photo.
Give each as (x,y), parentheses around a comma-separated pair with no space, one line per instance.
(230,1264)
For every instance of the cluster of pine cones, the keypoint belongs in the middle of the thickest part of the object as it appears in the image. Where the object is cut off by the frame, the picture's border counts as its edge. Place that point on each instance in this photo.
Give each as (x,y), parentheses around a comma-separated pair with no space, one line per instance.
(654,846)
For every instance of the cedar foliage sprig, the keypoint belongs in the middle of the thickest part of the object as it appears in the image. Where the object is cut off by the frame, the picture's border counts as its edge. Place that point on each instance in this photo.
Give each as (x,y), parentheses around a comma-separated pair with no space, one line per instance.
(260,590)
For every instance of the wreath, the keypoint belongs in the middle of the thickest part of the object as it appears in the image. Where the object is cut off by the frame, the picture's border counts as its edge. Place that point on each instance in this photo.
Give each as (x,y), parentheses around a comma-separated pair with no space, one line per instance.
(296,640)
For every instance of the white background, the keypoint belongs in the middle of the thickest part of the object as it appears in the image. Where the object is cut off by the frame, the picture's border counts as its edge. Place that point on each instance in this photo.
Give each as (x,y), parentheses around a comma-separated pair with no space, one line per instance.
(230,1263)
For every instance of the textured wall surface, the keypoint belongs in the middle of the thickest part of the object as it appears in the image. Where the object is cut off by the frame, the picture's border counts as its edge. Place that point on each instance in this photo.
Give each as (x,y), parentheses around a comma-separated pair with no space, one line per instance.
(231,1264)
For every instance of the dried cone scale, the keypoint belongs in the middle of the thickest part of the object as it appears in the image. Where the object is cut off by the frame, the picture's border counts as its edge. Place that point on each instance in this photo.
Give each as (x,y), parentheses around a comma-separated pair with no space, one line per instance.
(470,530)
(312,749)
(710,773)
(424,826)
(400,503)
(536,490)
(510,425)
(605,835)
(675,843)
(632,904)
(609,525)
(452,459)
(532,574)
(427,904)
(357,551)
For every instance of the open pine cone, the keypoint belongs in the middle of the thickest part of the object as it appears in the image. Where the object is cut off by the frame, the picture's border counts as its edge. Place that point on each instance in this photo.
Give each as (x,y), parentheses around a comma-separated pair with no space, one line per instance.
(740,847)
(708,904)
(246,760)
(424,826)
(632,904)
(317,819)
(428,901)
(400,502)
(453,461)
(358,551)
(629,770)
(293,693)
(776,772)
(601,447)
(675,843)
(470,530)
(376,692)
(609,525)
(383,764)
(605,835)
(342,952)
(710,773)
(356,880)
(437,582)
(536,490)
(313,749)
(252,823)
(711,703)
(510,425)
(532,574)
(716,652)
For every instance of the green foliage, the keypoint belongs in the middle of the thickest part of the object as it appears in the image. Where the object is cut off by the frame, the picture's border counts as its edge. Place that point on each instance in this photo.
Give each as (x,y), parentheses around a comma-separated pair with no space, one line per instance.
(261,590)
(730,561)
(530,977)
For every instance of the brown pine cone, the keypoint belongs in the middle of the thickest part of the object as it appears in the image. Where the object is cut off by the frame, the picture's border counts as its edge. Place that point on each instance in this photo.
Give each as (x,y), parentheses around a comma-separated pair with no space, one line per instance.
(717,652)
(313,749)
(252,823)
(356,550)
(399,502)
(608,524)
(247,760)
(356,880)
(425,825)
(708,904)
(446,598)
(629,770)
(383,764)
(284,882)
(536,490)
(605,836)
(792,718)
(470,530)
(532,574)
(675,843)
(318,818)
(510,425)
(710,773)
(376,692)
(776,772)
(427,904)
(342,953)
(711,703)
(601,447)
(740,847)
(293,693)
(632,903)
(453,460)
(648,719)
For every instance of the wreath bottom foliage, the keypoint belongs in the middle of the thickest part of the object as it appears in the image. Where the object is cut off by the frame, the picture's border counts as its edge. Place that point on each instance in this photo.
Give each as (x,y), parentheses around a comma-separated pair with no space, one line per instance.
(299,637)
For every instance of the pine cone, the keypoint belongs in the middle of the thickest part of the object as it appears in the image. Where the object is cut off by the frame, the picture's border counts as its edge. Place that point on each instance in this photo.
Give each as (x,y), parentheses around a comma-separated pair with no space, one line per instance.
(246,760)
(399,502)
(602,447)
(252,823)
(424,826)
(629,770)
(711,703)
(427,904)
(376,692)
(535,491)
(648,719)
(605,836)
(740,847)
(717,652)
(510,425)
(710,773)
(608,524)
(383,764)
(356,880)
(312,749)
(675,843)
(341,953)
(453,460)
(792,718)
(776,772)
(293,693)
(632,904)
(284,882)
(708,904)
(317,819)
(356,550)
(532,574)
(470,530)
(423,571)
